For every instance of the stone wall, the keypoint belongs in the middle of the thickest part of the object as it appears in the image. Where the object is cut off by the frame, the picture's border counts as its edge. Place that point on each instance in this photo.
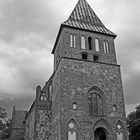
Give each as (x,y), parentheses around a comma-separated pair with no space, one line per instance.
(56,105)
(30,124)
(18,125)
(77,78)
(43,113)
(43,124)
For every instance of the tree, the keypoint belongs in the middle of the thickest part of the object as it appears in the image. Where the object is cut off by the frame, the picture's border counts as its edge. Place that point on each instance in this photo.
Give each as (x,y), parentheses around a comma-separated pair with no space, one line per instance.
(5,124)
(2,126)
(5,134)
(133,124)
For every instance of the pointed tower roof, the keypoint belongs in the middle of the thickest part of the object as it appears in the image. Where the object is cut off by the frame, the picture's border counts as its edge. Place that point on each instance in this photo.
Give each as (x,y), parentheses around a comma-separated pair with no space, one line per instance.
(84,17)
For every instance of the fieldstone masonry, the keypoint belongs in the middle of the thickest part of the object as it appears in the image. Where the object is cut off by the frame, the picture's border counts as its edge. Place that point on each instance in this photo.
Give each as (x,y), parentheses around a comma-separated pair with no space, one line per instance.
(83,99)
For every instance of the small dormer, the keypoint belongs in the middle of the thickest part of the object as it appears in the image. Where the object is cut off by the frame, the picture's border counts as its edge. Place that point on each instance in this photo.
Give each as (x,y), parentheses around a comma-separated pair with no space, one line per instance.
(83,36)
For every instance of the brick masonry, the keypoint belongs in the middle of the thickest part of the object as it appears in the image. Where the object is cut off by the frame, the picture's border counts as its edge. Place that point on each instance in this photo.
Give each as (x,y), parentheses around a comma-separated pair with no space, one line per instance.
(77,78)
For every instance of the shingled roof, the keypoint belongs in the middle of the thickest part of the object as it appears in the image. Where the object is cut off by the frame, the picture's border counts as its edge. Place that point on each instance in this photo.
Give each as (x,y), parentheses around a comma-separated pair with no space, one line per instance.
(83,17)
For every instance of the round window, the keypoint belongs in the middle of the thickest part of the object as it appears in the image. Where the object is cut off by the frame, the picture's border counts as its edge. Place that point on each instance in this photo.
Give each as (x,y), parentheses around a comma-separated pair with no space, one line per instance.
(71,125)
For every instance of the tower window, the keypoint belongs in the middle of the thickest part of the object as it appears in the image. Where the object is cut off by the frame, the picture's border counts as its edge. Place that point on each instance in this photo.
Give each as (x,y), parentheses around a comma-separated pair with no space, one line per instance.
(72,40)
(95,58)
(96,45)
(83,42)
(84,56)
(106,47)
(90,43)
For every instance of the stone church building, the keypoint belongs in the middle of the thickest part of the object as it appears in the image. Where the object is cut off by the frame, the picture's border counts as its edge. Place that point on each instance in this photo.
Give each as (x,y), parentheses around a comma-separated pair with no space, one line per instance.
(83,99)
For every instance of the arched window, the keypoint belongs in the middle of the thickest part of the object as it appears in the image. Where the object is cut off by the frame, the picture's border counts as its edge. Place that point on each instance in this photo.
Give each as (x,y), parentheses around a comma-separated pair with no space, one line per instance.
(114,108)
(90,43)
(43,97)
(50,88)
(72,133)
(72,40)
(97,45)
(106,47)
(119,128)
(95,104)
(83,42)
(104,44)
(74,106)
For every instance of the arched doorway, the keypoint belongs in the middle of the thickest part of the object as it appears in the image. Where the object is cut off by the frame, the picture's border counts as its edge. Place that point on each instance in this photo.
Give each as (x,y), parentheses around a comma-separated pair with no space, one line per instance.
(100,134)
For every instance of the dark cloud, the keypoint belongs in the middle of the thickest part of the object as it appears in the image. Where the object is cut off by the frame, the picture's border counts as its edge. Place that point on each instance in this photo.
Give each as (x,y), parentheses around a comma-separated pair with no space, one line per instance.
(24,16)
(22,66)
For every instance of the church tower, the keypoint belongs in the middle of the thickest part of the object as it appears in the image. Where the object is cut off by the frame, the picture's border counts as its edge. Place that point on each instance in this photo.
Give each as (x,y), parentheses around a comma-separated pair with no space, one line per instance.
(87,93)
(83,99)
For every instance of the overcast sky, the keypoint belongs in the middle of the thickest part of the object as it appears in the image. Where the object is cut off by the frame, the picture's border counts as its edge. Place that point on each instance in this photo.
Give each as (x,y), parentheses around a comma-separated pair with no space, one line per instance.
(28,30)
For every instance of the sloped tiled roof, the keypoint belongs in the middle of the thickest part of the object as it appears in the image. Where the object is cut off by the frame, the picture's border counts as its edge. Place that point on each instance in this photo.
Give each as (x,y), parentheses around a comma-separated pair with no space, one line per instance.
(84,17)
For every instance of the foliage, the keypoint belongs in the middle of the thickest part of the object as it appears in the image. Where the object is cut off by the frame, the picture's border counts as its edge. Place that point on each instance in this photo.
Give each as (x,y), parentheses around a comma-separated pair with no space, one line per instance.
(5,134)
(2,125)
(133,124)
(3,113)
(5,124)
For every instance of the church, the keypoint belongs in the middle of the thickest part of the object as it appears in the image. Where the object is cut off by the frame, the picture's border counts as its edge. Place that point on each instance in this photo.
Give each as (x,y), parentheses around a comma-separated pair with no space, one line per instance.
(83,99)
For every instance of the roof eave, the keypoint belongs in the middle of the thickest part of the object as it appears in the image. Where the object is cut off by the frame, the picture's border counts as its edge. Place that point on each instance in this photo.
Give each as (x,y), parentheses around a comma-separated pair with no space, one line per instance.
(113,34)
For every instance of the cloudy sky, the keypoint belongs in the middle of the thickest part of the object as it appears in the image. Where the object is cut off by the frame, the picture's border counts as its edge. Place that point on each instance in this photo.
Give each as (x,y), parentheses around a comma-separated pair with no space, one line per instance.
(28,30)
